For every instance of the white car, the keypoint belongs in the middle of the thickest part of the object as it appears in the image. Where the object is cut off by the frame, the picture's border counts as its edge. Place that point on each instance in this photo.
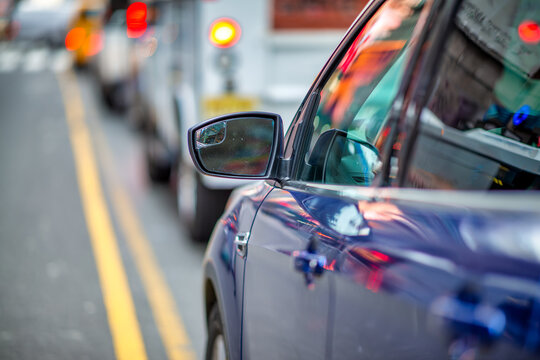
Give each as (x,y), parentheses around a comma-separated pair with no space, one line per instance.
(114,64)
(46,21)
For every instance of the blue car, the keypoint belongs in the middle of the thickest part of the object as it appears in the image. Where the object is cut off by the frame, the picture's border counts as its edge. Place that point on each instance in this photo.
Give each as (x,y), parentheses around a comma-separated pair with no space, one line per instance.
(399,215)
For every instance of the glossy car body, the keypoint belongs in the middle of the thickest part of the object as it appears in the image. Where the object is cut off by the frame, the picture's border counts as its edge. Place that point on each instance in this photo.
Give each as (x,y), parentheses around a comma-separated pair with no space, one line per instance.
(414,258)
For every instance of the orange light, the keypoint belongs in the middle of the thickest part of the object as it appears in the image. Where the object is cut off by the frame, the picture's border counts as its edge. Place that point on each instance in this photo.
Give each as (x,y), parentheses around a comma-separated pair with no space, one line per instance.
(224,32)
(529,32)
(93,44)
(136,19)
(75,38)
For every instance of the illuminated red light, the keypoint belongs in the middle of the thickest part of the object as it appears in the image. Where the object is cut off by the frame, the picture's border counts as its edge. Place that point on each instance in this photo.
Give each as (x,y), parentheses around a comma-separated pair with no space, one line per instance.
(136,12)
(331,266)
(75,38)
(136,19)
(375,279)
(136,30)
(529,32)
(380,256)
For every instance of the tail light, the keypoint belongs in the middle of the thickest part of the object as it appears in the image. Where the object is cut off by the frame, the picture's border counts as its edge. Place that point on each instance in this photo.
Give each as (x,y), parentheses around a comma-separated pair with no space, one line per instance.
(78,39)
(136,19)
(75,38)
(224,32)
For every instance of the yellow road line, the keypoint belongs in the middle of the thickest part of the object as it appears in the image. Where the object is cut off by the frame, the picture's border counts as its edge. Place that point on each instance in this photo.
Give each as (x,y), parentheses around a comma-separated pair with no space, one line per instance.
(126,335)
(170,326)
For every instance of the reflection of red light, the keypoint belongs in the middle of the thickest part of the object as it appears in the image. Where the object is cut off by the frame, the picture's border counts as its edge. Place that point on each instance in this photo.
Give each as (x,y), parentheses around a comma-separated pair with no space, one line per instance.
(374,280)
(529,32)
(382,257)
(136,19)
(75,38)
(323,235)
(330,267)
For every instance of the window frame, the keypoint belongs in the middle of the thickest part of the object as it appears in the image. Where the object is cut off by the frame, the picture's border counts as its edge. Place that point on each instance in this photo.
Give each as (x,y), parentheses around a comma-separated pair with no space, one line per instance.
(420,92)
(297,135)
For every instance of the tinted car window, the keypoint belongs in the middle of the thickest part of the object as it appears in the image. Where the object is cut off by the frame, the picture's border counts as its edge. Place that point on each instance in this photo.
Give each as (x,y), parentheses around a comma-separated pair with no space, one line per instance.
(347,133)
(481,127)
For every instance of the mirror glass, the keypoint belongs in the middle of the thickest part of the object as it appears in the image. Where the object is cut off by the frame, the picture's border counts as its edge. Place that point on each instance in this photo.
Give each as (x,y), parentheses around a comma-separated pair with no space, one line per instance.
(211,135)
(239,147)
(351,161)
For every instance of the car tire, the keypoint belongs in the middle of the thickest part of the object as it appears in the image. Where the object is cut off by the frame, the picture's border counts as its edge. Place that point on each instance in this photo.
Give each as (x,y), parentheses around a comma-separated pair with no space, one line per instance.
(158,162)
(216,346)
(107,95)
(198,206)
(209,205)
(138,112)
(115,96)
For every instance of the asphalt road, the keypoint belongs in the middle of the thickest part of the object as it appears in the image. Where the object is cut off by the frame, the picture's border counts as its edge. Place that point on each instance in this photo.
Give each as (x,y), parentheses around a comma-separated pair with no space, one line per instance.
(94,263)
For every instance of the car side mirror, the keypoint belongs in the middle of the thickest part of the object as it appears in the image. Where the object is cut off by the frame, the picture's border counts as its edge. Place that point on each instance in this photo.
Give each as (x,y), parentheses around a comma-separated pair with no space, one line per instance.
(242,145)
(340,158)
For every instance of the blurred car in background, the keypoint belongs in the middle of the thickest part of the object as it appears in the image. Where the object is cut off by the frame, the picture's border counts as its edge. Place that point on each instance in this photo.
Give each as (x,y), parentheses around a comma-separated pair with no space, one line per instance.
(45,21)
(399,217)
(85,36)
(115,64)
(232,55)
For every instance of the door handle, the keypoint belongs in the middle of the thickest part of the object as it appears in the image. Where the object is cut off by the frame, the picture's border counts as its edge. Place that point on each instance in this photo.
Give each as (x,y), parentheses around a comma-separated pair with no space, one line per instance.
(240,243)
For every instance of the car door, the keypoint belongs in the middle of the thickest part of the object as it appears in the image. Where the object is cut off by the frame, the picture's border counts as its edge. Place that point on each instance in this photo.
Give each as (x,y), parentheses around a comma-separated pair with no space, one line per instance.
(449,270)
(303,227)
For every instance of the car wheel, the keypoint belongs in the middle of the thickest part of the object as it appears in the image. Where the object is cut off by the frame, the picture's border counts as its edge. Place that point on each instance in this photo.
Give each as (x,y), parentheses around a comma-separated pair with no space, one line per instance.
(199,207)
(115,96)
(216,347)
(157,159)
(138,112)
(107,95)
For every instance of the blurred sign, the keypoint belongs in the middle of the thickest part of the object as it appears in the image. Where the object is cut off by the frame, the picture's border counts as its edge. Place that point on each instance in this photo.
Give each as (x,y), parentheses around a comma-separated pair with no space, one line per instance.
(316,14)
(213,106)
(491,28)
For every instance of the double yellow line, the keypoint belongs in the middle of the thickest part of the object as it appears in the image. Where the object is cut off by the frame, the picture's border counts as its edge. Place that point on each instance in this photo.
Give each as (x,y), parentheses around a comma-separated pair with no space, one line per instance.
(126,335)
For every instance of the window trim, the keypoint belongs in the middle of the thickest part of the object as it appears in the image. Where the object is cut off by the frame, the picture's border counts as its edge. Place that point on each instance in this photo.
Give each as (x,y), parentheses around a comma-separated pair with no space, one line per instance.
(420,92)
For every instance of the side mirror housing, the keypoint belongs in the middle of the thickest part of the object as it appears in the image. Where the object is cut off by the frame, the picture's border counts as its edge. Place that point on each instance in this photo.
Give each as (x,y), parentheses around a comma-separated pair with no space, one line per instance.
(244,145)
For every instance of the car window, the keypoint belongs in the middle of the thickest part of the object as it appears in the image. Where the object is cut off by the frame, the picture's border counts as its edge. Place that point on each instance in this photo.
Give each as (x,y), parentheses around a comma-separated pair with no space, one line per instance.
(481,126)
(348,131)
